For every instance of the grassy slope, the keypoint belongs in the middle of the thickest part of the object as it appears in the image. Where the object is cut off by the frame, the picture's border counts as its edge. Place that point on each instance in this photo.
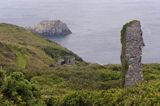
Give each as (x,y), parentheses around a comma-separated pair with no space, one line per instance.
(22,50)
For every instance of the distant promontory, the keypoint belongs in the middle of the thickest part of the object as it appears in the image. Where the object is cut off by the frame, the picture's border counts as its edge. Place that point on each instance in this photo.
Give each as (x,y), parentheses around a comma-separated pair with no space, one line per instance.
(51,28)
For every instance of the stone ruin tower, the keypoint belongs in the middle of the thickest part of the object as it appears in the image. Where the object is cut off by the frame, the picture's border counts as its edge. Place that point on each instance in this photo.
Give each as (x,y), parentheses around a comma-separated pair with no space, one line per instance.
(132,44)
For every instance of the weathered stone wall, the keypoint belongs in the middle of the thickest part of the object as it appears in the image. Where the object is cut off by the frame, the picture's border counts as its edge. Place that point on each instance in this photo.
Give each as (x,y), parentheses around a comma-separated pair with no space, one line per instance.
(132,44)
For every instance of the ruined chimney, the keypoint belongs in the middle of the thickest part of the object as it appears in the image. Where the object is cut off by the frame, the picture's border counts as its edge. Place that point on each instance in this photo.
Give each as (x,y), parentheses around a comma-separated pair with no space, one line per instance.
(132,44)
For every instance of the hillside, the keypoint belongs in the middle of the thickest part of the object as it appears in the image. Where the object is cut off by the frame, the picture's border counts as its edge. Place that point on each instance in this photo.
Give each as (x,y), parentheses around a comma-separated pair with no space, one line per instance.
(30,76)
(21,49)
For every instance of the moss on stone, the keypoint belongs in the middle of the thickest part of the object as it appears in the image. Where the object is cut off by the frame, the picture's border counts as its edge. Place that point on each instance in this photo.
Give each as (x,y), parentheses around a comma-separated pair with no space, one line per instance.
(123,58)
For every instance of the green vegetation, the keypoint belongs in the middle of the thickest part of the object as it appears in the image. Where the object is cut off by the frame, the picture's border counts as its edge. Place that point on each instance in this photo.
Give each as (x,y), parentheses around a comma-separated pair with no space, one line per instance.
(15,89)
(21,60)
(26,78)
(90,85)
(22,49)
(58,54)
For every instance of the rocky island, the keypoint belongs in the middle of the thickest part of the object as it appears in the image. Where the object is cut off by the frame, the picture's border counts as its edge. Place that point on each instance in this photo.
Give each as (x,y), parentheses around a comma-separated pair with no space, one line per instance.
(51,28)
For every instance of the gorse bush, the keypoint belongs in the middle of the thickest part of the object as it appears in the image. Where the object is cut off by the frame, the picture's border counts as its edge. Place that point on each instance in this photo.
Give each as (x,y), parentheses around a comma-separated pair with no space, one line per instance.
(106,75)
(18,90)
(90,85)
(151,71)
(2,77)
(77,99)
(140,95)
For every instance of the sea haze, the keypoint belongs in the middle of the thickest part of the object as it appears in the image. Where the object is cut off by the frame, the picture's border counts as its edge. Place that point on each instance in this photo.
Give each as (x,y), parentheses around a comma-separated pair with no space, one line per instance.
(95,24)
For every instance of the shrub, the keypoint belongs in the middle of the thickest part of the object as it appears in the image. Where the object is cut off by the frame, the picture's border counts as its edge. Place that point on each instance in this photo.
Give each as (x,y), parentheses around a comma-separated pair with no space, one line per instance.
(20,90)
(59,53)
(107,75)
(2,77)
(52,101)
(77,99)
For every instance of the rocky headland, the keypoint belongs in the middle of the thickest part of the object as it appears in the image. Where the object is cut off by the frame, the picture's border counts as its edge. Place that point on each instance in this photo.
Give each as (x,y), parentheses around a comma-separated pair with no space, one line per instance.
(51,28)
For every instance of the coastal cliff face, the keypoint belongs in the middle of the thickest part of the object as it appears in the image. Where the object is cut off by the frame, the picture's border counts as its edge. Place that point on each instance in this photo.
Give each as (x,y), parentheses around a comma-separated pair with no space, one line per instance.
(132,44)
(51,28)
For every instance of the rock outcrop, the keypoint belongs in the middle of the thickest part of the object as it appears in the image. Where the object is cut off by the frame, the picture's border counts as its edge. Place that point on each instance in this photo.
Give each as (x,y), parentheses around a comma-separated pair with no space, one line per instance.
(132,44)
(69,60)
(51,28)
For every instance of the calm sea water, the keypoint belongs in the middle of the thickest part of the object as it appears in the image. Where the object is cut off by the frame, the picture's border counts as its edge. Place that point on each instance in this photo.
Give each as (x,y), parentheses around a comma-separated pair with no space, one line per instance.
(95,24)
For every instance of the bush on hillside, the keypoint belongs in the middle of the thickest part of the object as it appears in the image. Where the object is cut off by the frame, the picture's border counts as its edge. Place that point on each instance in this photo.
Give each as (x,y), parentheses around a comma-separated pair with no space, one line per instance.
(2,77)
(77,99)
(17,90)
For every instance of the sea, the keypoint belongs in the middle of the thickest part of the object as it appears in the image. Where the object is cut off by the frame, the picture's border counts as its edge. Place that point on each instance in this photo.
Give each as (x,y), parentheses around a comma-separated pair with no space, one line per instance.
(96,24)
